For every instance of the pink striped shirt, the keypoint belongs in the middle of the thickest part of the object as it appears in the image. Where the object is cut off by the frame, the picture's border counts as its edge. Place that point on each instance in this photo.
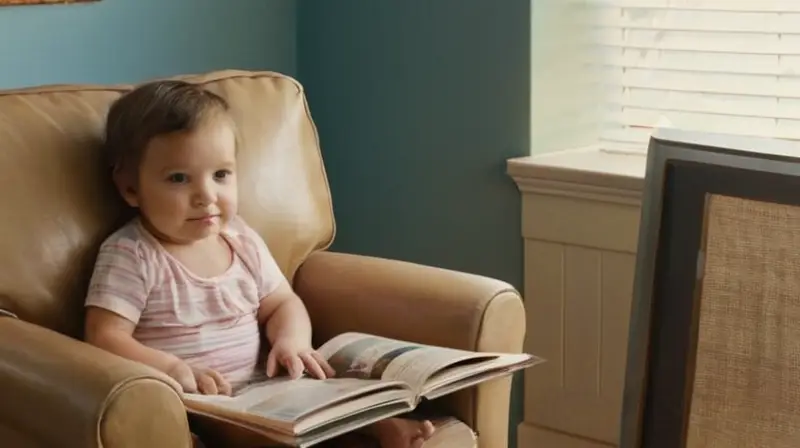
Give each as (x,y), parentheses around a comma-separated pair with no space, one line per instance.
(207,322)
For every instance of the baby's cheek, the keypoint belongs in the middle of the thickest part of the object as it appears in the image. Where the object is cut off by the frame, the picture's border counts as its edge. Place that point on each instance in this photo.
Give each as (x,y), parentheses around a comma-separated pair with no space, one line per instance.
(228,207)
(167,208)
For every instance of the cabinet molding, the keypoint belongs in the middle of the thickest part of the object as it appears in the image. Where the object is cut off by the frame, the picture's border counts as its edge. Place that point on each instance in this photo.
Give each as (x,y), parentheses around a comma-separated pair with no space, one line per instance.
(580,230)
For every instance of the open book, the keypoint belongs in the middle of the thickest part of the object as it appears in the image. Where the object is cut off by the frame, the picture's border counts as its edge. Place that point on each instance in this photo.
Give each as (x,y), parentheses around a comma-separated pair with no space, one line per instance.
(376,378)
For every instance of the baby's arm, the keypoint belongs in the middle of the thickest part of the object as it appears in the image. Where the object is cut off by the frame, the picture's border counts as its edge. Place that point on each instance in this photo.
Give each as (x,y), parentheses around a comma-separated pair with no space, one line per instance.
(114,333)
(117,296)
(288,329)
(285,316)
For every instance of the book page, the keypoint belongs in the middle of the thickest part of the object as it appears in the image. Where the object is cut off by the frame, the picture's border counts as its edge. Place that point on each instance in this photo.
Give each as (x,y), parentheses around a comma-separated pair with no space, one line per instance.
(314,430)
(461,376)
(284,401)
(357,355)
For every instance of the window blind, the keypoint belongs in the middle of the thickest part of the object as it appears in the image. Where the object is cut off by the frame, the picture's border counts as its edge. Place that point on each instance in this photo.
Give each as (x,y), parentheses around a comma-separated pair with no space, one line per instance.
(729,66)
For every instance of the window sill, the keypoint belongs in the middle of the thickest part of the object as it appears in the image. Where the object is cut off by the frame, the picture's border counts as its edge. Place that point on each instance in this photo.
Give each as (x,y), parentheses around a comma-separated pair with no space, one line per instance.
(587,173)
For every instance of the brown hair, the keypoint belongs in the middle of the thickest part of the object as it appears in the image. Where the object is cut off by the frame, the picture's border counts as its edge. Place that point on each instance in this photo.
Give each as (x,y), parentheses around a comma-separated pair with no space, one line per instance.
(153,109)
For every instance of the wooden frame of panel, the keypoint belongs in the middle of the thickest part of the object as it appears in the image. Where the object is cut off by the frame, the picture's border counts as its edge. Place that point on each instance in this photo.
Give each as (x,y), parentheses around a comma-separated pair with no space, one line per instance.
(682,170)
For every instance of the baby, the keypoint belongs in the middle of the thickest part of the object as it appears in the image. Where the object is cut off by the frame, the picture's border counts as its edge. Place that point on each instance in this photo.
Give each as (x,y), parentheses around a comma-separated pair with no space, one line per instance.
(186,286)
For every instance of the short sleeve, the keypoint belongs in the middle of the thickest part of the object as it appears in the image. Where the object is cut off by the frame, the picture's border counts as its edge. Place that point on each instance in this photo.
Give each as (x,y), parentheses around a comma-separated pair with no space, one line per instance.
(268,274)
(118,282)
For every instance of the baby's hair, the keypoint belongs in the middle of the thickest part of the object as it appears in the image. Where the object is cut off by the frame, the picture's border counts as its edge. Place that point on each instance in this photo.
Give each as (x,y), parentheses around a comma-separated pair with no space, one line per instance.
(153,109)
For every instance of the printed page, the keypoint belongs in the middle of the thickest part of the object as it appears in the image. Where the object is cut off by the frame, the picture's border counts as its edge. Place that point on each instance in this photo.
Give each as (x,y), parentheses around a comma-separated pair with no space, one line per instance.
(461,376)
(285,401)
(312,432)
(357,355)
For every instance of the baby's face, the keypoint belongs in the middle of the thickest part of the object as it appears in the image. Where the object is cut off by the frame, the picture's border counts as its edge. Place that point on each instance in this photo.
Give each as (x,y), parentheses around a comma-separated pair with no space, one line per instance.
(187,183)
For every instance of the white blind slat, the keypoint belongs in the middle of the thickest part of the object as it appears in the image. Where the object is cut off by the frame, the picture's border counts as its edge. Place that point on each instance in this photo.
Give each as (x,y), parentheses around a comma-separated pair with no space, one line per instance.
(641,134)
(718,104)
(699,21)
(703,5)
(729,66)
(634,117)
(736,43)
(638,137)
(697,61)
(700,82)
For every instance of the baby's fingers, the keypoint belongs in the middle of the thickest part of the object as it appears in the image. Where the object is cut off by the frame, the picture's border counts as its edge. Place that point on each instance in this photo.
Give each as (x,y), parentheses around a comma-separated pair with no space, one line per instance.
(206,384)
(186,380)
(313,366)
(223,386)
(329,372)
(294,365)
(272,364)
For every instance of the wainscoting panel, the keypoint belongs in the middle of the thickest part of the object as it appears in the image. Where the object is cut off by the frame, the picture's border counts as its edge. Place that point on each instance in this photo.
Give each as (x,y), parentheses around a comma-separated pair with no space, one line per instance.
(580,251)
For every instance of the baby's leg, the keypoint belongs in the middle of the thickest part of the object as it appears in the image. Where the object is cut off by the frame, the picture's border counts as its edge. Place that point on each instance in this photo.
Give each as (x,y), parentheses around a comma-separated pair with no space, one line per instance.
(401,432)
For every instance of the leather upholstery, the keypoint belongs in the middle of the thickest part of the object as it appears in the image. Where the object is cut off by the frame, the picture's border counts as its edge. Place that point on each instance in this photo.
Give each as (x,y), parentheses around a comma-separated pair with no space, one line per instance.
(60,205)
(424,304)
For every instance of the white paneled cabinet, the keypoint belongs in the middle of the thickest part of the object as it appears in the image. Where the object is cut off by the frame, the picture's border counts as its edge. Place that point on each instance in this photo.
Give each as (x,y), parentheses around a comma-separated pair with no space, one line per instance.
(580,220)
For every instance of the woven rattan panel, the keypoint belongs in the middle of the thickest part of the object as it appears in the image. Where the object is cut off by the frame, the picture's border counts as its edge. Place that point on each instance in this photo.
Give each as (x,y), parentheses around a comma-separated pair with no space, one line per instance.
(747,372)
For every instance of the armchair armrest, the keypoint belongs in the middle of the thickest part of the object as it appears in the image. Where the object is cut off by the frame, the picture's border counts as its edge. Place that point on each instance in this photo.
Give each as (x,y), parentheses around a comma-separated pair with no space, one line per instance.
(426,305)
(58,391)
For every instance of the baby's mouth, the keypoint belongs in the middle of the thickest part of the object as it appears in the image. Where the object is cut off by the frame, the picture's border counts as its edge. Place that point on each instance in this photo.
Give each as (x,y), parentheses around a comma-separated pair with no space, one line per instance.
(204,218)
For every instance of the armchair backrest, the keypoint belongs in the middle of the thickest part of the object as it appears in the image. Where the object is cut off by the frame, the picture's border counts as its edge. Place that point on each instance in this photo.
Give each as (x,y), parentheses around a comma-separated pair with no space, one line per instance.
(58,201)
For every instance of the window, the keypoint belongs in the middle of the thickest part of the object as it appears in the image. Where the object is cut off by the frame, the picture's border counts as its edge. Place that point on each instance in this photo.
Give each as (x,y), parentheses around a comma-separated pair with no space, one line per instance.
(605,72)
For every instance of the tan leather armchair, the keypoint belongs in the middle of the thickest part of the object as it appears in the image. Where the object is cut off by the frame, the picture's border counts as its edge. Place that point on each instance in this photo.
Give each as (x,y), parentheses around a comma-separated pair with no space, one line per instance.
(58,206)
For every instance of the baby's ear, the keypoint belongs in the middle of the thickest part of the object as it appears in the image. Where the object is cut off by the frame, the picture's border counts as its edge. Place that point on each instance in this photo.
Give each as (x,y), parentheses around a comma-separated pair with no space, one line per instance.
(126,186)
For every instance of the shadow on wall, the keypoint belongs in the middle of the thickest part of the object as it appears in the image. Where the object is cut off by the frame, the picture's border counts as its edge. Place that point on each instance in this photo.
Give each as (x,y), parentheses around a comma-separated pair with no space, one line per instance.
(418,108)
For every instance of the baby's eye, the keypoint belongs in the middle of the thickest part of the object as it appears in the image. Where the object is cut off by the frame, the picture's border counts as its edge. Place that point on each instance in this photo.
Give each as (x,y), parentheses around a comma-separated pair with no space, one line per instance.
(178,178)
(221,174)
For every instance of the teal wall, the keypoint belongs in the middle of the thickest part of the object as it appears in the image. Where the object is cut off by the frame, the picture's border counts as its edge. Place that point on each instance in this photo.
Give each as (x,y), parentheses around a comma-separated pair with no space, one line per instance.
(130,40)
(418,105)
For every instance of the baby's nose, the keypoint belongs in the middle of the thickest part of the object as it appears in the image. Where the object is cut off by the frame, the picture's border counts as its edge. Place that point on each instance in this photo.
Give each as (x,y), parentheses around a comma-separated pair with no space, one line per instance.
(205,195)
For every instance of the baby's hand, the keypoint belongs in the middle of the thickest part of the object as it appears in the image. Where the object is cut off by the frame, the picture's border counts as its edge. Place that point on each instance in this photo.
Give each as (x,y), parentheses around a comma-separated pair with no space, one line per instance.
(297,358)
(196,380)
